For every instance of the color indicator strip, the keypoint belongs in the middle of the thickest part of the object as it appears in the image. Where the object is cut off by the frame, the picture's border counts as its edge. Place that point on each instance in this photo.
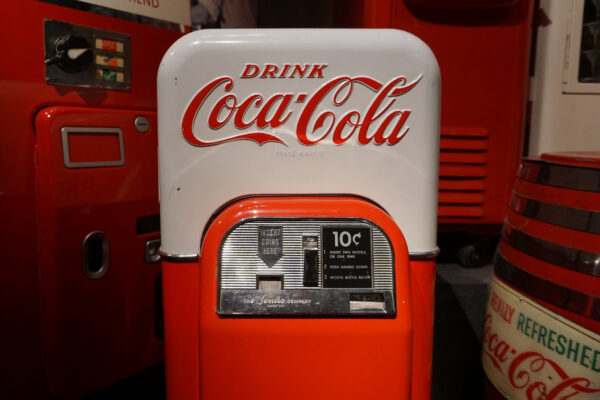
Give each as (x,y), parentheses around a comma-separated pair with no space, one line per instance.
(109,45)
(110,75)
(110,61)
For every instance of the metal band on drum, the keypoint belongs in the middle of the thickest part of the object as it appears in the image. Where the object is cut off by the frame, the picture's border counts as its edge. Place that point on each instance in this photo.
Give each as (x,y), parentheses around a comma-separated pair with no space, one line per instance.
(554,253)
(568,299)
(578,178)
(568,217)
(560,196)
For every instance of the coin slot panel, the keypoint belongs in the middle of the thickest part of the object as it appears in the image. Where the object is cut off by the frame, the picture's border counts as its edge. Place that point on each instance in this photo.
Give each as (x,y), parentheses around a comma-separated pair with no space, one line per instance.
(293,284)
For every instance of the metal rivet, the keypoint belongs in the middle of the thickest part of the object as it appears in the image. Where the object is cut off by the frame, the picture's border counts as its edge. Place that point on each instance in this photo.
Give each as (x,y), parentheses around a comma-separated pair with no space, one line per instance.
(141,124)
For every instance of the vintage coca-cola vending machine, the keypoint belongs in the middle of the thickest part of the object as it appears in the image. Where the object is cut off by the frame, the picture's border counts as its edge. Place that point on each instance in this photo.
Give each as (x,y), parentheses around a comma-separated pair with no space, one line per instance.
(78,192)
(298,176)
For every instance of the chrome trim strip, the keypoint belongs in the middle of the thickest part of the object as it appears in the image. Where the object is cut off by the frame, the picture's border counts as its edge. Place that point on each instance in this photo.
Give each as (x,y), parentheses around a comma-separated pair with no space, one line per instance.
(426,255)
(177,258)
(578,178)
(553,253)
(79,130)
(250,303)
(111,12)
(568,217)
(557,295)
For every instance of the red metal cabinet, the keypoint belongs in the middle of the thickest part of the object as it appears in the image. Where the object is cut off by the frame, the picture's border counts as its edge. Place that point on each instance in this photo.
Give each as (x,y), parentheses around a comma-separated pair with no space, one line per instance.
(25,93)
(483,48)
(98,318)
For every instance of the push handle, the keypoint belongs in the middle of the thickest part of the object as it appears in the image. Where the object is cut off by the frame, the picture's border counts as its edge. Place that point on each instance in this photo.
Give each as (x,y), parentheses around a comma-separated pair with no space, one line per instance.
(95,255)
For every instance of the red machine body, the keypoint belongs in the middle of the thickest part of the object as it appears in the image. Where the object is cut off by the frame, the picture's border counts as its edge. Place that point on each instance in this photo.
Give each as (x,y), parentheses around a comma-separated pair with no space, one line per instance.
(296,353)
(65,334)
(483,49)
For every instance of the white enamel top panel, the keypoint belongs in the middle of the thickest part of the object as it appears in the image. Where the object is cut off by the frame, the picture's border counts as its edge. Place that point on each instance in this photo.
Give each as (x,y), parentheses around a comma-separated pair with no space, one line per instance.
(391,73)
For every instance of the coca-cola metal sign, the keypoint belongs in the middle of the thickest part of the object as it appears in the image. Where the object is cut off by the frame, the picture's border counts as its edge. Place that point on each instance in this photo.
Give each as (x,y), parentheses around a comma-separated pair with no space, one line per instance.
(296,112)
(531,353)
(321,114)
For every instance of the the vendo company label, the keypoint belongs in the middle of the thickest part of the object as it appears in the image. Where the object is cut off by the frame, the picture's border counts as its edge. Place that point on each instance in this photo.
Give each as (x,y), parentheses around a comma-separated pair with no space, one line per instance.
(326,111)
(530,352)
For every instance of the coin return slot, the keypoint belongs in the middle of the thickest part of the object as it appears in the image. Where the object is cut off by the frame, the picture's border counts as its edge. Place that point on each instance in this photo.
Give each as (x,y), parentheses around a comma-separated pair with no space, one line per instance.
(367,302)
(269,282)
(310,248)
(95,255)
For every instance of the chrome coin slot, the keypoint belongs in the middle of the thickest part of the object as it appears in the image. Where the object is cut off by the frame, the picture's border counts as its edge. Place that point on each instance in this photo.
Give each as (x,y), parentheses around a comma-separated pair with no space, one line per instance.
(310,247)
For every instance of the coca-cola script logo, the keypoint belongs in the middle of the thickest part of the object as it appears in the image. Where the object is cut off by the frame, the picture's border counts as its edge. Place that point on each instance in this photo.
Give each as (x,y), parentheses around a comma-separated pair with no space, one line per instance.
(256,114)
(539,377)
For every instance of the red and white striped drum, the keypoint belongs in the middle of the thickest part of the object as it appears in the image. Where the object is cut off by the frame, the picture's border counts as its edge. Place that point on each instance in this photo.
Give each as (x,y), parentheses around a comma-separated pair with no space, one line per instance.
(542,330)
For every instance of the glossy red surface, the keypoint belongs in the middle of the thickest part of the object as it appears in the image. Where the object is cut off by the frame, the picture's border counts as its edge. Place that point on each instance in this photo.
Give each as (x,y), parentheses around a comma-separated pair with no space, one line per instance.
(587,159)
(300,356)
(24,93)
(422,286)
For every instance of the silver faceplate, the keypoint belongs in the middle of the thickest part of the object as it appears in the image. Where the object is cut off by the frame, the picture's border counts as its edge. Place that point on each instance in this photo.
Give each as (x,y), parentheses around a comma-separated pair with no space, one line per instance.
(240,264)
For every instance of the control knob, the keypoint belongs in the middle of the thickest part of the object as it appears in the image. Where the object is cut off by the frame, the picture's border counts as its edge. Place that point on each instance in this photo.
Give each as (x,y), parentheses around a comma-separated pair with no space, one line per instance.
(71,53)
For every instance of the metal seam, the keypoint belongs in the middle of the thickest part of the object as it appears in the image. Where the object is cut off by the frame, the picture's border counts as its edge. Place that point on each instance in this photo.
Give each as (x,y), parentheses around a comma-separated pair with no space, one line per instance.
(178,258)
(183,258)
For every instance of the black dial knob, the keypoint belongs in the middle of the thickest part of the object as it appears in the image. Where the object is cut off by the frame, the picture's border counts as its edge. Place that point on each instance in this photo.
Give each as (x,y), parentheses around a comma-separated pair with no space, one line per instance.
(72,53)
